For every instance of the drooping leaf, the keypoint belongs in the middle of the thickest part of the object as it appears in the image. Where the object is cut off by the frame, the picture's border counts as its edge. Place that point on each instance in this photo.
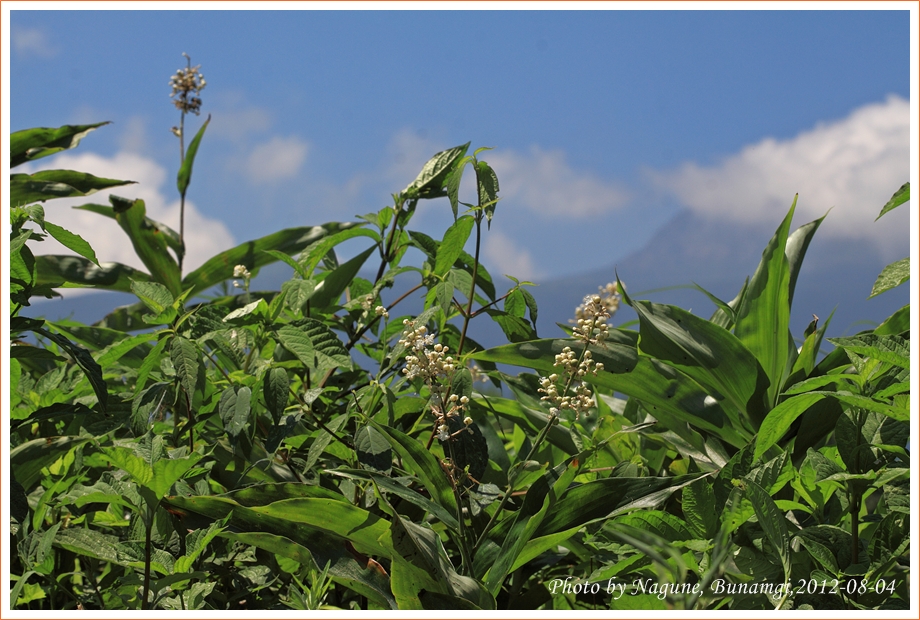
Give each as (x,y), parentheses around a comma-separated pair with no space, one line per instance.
(169,235)
(28,459)
(80,272)
(275,390)
(487,185)
(314,344)
(85,361)
(452,245)
(32,144)
(185,358)
(72,241)
(149,245)
(373,450)
(234,408)
(330,289)
(772,522)
(50,184)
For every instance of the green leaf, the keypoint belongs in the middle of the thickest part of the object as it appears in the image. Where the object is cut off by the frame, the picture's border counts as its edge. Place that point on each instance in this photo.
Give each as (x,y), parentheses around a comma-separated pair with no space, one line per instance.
(50,184)
(150,246)
(431,181)
(276,391)
(891,349)
(423,464)
(697,503)
(153,295)
(252,255)
(780,419)
(709,354)
(487,185)
(329,291)
(32,144)
(80,272)
(897,199)
(323,440)
(452,245)
(169,235)
(85,361)
(28,459)
(892,276)
(234,408)
(314,344)
(72,241)
(136,467)
(763,317)
(185,358)
(373,450)
(773,523)
(167,472)
(185,171)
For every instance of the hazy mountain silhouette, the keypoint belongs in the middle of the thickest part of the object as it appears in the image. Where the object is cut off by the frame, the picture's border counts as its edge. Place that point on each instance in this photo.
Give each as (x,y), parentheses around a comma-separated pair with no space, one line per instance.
(714,254)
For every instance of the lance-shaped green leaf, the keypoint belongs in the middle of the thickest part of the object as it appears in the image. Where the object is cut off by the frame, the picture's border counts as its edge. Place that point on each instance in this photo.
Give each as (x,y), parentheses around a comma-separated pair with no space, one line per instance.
(71,241)
(487,186)
(452,245)
(149,244)
(275,390)
(672,397)
(159,477)
(897,199)
(328,292)
(773,523)
(762,323)
(185,171)
(892,276)
(431,181)
(50,184)
(252,255)
(185,358)
(32,144)
(385,483)
(76,271)
(709,354)
(234,408)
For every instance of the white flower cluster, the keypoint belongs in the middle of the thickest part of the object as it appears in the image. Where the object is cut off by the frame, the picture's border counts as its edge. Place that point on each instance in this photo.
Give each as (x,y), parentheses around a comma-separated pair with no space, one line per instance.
(185,82)
(591,326)
(610,299)
(431,362)
(240,271)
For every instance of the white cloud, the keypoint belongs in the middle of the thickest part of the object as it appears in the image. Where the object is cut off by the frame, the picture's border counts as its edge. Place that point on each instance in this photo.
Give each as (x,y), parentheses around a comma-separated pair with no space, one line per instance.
(204,236)
(279,158)
(32,42)
(544,182)
(852,165)
(504,256)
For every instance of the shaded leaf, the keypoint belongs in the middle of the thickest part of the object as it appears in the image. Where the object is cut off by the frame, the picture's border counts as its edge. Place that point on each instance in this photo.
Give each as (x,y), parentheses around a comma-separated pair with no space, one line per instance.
(32,144)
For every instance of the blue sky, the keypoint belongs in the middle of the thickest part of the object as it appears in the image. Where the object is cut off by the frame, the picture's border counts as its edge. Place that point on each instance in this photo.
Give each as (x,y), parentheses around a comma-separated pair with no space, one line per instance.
(605,123)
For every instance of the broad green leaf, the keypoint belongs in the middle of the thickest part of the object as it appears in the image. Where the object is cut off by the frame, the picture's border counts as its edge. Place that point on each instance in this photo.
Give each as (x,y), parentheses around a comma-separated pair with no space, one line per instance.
(147,404)
(453,182)
(32,144)
(79,272)
(314,344)
(257,305)
(72,241)
(423,464)
(167,471)
(329,291)
(323,440)
(185,171)
(136,467)
(275,390)
(892,276)
(892,349)
(50,184)
(431,181)
(670,396)
(796,246)
(762,323)
(28,459)
(697,503)
(106,547)
(452,245)
(149,245)
(251,254)
(153,295)
(313,254)
(185,358)
(385,483)
(897,199)
(780,419)
(373,450)
(234,408)
(709,354)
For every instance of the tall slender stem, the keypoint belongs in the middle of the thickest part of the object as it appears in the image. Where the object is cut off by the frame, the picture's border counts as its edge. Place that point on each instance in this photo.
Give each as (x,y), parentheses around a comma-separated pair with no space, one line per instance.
(182,196)
(469,304)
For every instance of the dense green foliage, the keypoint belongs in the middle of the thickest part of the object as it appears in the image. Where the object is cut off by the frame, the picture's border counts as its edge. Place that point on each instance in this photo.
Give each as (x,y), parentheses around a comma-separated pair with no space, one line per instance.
(302,449)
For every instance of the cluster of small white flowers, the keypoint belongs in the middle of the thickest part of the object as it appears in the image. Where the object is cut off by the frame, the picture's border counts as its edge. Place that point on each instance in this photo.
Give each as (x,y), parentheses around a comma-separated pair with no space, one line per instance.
(381,311)
(367,301)
(432,363)
(429,364)
(183,83)
(240,271)
(591,326)
(580,400)
(610,299)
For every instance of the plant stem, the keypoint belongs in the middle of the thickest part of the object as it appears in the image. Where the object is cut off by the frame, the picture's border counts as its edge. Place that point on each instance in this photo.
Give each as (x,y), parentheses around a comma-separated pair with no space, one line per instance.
(182,196)
(469,304)
(148,552)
